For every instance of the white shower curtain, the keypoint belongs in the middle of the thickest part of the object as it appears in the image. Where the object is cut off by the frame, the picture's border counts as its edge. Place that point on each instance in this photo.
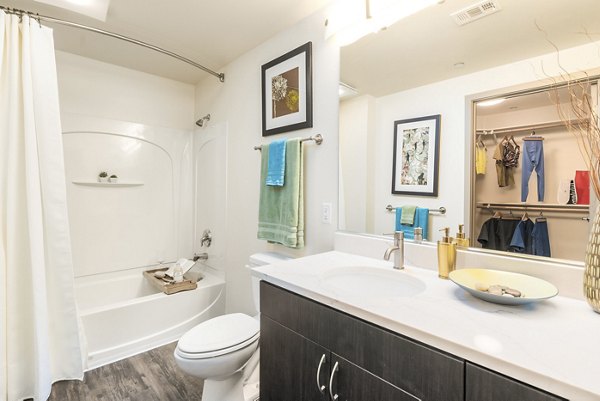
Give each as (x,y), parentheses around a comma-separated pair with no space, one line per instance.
(39,330)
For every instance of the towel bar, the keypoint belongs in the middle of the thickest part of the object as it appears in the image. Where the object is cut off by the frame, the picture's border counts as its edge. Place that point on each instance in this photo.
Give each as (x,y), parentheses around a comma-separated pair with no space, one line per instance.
(441,210)
(317,138)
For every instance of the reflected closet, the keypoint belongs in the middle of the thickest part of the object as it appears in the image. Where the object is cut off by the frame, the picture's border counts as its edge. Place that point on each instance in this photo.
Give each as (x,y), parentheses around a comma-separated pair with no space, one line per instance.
(525,134)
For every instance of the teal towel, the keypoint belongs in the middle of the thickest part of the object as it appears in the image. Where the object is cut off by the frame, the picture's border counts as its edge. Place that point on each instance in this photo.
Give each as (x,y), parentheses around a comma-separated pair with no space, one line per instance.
(421,220)
(281,209)
(408,215)
(276,169)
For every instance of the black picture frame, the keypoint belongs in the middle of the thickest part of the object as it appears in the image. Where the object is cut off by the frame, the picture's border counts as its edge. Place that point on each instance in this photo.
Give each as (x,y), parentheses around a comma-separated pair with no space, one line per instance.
(416,156)
(287,92)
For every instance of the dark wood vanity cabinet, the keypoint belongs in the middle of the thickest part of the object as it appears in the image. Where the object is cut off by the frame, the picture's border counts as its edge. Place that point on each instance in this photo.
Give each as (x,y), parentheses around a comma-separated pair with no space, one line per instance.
(363,362)
(371,364)
(484,384)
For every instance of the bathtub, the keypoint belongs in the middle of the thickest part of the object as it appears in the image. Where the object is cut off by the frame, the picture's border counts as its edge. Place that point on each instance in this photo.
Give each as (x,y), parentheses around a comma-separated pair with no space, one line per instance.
(123,315)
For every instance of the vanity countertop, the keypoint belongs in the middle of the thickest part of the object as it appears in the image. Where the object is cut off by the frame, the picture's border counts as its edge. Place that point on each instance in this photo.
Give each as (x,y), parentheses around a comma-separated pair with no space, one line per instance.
(553,345)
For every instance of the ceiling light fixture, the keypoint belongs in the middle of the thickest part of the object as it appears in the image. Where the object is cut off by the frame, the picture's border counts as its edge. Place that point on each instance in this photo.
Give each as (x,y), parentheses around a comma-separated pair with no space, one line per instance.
(92,8)
(491,102)
(350,20)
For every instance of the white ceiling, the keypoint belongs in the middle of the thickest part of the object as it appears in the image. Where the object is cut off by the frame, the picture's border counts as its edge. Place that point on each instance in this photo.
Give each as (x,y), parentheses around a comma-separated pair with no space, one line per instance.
(424,47)
(418,50)
(210,32)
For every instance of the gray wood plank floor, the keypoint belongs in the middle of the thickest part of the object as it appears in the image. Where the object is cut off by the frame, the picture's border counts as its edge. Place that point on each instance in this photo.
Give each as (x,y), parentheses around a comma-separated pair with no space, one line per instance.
(151,376)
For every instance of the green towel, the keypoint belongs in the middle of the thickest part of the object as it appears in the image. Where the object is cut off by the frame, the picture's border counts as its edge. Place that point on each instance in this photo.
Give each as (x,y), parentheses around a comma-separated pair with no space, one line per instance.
(408,215)
(281,209)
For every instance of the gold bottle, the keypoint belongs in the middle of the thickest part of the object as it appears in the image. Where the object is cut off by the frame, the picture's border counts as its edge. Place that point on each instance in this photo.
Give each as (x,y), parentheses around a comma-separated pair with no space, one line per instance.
(446,254)
(461,239)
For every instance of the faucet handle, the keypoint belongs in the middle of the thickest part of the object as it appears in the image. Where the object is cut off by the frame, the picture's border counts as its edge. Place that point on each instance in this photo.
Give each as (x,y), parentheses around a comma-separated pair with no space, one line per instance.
(398,236)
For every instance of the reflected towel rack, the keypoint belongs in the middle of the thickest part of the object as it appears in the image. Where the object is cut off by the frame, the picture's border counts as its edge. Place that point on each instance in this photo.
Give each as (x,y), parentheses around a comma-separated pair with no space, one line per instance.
(553,208)
(317,138)
(441,210)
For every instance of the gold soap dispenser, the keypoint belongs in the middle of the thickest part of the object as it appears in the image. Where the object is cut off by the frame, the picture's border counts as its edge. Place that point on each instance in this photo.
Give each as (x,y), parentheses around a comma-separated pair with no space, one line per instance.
(461,239)
(446,254)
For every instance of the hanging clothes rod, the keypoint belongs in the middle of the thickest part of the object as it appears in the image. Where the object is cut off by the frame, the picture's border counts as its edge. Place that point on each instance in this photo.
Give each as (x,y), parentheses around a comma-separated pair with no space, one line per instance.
(530,127)
(317,138)
(441,210)
(536,208)
(40,18)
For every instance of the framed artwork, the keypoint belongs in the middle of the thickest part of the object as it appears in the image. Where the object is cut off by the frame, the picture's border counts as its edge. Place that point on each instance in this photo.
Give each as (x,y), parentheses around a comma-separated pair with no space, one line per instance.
(287,92)
(416,156)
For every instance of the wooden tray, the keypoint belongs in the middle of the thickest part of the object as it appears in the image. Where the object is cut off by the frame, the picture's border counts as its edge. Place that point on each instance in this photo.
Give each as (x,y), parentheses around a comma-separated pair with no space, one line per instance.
(167,288)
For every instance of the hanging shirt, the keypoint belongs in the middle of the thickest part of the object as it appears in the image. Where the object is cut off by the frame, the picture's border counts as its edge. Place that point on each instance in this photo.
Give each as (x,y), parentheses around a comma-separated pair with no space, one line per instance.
(480,158)
(501,169)
(522,240)
(497,233)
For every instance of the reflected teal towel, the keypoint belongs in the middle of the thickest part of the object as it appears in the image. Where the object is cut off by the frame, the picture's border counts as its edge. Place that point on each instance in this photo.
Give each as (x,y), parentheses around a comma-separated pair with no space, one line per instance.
(276,168)
(281,209)
(421,220)
(408,215)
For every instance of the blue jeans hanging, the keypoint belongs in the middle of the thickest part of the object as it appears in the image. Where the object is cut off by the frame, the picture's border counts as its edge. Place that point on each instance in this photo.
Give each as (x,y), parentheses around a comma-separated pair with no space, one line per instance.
(533,158)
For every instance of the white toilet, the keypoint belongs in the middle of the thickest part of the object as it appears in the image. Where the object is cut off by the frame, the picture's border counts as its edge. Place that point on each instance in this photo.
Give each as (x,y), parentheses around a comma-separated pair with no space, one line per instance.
(218,350)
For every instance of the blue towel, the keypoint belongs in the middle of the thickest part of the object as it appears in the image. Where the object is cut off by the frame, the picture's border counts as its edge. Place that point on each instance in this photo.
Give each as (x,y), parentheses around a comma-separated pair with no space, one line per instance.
(421,220)
(276,165)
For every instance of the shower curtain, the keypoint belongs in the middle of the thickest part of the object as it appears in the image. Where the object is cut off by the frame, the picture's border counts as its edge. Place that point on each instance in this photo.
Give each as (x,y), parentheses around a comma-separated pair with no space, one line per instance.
(39,328)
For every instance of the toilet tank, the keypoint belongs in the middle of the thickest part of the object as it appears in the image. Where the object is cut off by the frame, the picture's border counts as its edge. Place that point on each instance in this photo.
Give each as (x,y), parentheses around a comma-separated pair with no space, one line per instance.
(262,259)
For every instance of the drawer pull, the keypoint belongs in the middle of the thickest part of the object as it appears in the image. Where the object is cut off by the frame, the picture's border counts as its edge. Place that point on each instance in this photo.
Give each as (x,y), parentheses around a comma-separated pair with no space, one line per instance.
(319,385)
(333,371)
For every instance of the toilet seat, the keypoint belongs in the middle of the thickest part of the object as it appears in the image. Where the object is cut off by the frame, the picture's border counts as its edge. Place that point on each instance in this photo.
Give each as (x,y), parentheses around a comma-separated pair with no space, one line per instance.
(219,336)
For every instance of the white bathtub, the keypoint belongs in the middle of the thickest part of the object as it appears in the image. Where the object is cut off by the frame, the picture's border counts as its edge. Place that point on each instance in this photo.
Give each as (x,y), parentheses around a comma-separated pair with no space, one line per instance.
(123,315)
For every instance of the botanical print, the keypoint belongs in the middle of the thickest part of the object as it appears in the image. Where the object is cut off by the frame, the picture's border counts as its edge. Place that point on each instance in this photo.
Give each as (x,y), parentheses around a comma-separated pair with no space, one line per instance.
(415,156)
(285,93)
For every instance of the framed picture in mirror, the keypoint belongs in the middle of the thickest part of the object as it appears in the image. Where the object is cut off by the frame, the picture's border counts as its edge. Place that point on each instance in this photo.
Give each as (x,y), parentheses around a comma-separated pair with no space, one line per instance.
(287,92)
(416,156)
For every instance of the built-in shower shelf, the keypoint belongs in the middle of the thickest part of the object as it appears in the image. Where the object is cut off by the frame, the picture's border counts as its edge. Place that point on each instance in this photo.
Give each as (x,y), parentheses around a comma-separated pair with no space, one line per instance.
(109,184)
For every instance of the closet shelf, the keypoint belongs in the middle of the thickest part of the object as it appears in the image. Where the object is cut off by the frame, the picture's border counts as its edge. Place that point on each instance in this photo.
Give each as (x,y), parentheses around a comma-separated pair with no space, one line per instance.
(533,127)
(536,207)
(108,184)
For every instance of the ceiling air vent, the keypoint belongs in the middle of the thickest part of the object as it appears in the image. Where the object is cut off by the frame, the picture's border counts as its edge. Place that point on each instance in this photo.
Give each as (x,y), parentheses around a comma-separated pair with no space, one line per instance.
(475,11)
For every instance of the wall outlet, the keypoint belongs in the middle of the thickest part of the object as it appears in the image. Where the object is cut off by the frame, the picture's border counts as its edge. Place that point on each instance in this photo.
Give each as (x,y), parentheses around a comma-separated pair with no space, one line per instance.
(326,213)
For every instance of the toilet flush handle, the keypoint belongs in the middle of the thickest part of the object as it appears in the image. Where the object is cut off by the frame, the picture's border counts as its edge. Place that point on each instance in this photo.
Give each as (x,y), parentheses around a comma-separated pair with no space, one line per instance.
(319,385)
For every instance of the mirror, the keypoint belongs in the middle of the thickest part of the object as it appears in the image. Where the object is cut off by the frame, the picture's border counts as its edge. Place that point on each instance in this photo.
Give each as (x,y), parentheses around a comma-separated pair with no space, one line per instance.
(426,65)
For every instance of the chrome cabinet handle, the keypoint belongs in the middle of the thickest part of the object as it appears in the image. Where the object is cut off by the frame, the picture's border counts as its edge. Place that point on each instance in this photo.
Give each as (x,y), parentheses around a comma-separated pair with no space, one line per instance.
(331,395)
(319,385)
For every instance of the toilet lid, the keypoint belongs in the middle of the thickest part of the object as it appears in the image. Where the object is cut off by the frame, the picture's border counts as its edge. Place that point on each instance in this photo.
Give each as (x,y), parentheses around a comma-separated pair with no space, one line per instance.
(219,333)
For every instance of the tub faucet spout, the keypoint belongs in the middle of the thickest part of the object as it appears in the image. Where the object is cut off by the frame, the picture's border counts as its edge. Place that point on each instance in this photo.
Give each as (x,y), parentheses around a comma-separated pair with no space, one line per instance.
(398,248)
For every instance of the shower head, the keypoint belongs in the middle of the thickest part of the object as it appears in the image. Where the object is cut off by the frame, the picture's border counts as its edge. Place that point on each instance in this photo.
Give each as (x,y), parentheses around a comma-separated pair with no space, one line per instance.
(200,122)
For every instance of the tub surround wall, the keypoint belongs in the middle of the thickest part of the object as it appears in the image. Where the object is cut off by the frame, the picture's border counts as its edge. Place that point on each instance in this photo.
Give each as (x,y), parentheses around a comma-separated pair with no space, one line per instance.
(96,96)
(238,102)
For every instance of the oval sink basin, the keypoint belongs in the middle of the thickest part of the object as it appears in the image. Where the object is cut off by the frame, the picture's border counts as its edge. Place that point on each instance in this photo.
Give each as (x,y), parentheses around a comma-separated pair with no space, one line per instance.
(372,282)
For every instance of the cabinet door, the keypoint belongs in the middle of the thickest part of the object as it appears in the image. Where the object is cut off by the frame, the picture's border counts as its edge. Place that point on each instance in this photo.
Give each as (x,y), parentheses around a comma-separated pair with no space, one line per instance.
(351,383)
(289,364)
(484,384)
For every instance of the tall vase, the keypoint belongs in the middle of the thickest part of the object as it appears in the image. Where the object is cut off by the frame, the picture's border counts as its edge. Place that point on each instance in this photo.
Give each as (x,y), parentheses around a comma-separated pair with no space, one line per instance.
(591,276)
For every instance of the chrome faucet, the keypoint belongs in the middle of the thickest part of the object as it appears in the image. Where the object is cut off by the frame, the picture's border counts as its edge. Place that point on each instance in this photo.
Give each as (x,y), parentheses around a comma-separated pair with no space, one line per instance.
(399,248)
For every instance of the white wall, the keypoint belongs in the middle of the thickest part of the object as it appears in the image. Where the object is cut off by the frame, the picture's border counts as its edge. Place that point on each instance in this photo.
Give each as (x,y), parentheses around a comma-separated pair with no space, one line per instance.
(237,102)
(96,96)
(97,89)
(448,98)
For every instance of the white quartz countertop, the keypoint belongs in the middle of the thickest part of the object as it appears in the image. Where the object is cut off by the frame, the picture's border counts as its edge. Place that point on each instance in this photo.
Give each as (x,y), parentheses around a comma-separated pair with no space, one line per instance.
(553,345)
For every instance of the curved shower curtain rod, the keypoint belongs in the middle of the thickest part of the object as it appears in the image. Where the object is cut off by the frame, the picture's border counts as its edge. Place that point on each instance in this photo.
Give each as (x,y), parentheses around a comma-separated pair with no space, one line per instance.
(40,18)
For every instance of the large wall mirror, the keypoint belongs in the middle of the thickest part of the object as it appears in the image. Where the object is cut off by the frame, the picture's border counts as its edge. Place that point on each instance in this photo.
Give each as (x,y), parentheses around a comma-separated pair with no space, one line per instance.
(410,71)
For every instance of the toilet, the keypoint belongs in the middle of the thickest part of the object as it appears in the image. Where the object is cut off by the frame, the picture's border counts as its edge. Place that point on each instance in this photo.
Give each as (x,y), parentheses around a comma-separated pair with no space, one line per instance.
(223,350)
